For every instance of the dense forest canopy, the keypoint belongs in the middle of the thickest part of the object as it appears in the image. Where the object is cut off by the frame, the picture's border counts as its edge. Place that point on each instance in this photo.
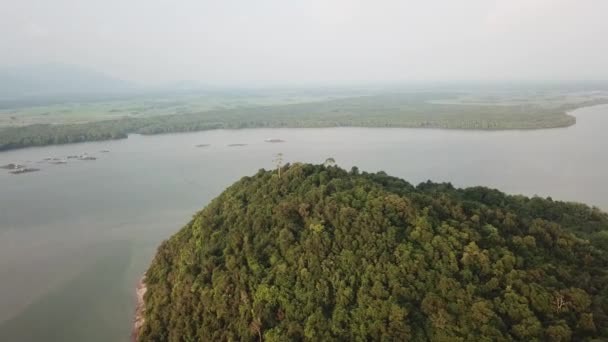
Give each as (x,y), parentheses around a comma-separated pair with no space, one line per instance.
(322,254)
(414,110)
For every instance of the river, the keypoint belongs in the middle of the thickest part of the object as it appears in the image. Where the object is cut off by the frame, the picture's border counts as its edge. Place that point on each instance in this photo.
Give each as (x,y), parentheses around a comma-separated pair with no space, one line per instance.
(75,238)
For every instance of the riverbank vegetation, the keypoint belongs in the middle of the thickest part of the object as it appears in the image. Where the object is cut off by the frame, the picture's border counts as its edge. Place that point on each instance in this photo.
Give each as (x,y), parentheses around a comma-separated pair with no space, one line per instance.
(414,110)
(322,254)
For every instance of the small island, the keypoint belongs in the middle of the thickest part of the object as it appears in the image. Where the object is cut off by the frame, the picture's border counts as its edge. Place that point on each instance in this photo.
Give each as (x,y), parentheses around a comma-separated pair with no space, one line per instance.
(202,145)
(236,145)
(274,140)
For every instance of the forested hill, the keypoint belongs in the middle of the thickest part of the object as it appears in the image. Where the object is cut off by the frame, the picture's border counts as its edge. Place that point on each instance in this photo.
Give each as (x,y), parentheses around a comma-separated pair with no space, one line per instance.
(322,254)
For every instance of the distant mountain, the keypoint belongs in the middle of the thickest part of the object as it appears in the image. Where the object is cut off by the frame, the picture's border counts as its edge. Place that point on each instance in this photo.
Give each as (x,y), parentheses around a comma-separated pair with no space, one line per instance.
(57,79)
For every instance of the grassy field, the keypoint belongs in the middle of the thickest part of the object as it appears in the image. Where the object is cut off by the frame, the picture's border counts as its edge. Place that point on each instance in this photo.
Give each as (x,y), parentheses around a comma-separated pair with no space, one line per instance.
(142,107)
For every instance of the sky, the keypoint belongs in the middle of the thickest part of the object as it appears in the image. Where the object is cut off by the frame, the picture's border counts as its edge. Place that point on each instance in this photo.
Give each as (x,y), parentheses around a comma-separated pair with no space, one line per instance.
(236,42)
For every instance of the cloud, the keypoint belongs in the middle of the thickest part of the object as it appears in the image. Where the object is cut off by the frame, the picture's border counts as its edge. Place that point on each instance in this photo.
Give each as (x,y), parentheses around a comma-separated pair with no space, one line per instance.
(236,41)
(36,31)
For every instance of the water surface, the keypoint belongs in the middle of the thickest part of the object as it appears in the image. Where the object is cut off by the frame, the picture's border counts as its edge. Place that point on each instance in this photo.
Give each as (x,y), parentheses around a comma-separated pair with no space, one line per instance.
(75,238)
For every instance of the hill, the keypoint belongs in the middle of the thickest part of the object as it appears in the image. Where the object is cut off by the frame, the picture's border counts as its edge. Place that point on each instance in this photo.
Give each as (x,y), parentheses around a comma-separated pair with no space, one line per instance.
(48,82)
(323,254)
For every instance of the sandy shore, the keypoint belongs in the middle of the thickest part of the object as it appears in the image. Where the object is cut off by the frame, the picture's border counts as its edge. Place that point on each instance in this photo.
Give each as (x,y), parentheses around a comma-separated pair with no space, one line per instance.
(138,321)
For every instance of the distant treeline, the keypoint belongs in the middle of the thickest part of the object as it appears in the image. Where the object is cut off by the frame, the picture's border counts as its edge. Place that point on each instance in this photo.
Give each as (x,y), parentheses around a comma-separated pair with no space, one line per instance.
(395,110)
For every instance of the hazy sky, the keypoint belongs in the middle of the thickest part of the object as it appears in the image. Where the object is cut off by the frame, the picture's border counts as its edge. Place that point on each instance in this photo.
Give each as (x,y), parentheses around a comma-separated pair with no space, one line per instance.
(295,41)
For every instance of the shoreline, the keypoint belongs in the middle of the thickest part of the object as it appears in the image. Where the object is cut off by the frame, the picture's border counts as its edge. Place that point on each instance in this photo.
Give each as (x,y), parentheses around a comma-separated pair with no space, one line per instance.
(140,309)
(566,121)
(558,126)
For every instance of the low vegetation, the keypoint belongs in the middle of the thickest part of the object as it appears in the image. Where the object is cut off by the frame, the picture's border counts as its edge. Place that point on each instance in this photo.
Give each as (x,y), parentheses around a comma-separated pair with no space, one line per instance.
(397,110)
(322,254)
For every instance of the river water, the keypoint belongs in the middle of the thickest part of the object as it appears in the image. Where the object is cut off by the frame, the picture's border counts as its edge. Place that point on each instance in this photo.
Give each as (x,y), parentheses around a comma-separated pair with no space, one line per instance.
(75,238)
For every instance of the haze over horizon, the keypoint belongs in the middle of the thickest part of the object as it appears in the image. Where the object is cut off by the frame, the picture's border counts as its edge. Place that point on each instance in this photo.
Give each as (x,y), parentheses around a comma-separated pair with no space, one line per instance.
(298,42)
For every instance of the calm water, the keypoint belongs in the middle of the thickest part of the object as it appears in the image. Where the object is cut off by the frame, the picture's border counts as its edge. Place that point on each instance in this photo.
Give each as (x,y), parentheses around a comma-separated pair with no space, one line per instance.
(75,238)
